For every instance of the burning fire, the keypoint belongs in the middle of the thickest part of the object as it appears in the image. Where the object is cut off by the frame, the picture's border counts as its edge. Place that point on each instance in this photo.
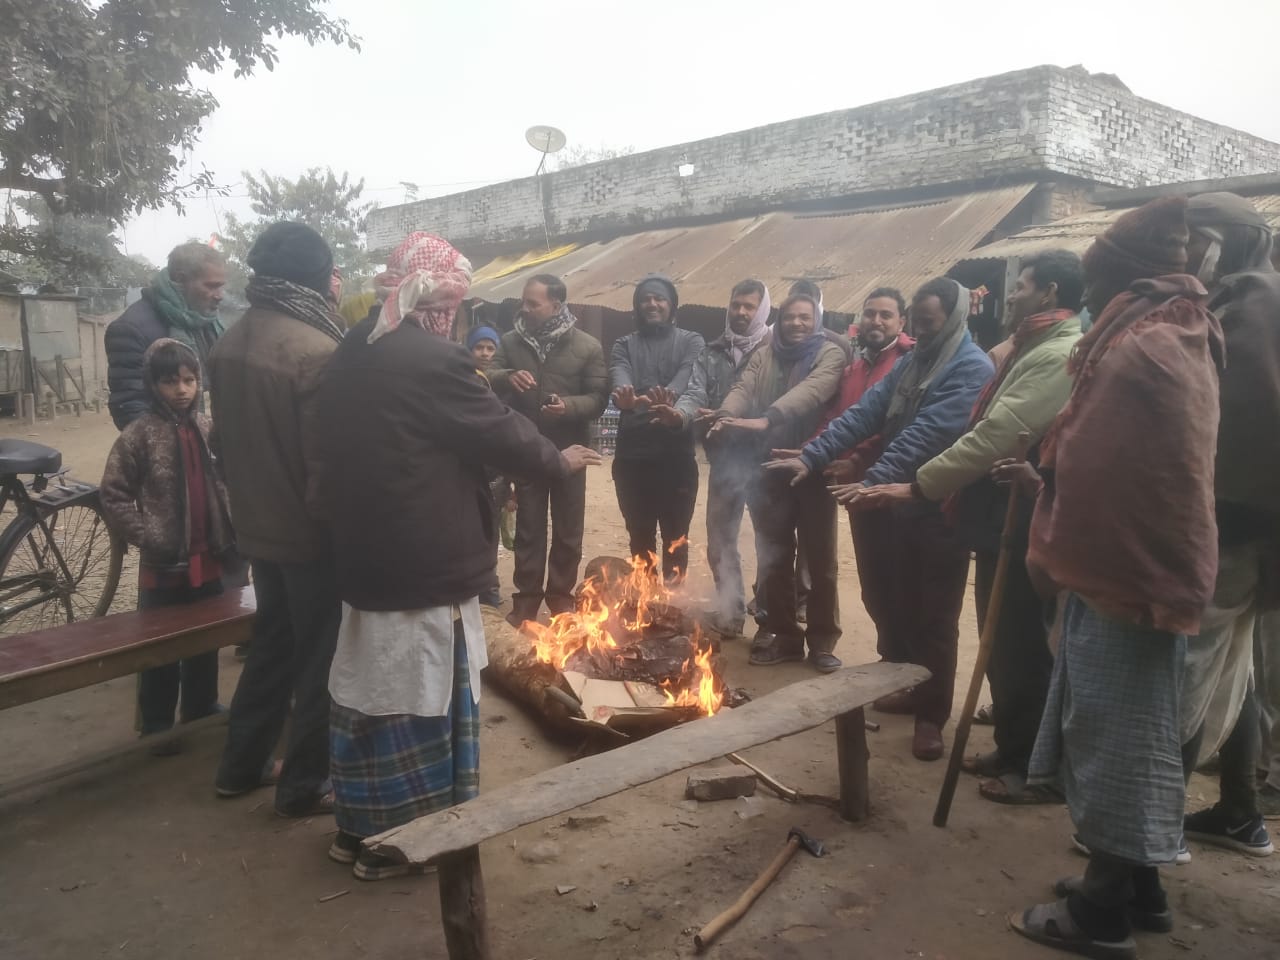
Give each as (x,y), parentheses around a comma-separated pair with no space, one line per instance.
(706,698)
(641,596)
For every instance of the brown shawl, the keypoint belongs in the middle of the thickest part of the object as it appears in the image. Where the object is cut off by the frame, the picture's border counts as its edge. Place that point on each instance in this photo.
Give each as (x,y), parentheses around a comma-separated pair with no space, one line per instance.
(1127,520)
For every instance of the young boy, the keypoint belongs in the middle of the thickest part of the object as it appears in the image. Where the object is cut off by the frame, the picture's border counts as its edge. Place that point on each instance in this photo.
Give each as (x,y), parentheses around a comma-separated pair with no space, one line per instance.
(161,493)
(483,344)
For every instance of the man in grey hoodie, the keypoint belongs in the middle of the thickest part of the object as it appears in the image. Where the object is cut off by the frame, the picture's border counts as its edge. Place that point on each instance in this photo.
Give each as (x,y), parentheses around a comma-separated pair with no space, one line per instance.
(657,386)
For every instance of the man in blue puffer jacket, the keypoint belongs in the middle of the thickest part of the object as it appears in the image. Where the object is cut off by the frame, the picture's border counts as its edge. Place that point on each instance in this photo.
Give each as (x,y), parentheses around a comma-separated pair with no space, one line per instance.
(920,409)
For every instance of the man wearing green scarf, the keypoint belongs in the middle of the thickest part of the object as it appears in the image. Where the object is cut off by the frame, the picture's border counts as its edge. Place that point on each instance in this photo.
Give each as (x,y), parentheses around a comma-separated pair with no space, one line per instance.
(182,303)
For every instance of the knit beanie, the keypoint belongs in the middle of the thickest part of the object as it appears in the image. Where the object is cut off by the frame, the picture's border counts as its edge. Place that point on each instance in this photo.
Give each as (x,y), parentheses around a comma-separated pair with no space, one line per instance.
(294,252)
(481,333)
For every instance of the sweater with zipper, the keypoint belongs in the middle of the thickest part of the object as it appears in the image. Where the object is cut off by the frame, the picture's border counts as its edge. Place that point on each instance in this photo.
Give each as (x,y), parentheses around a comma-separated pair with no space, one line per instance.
(574,370)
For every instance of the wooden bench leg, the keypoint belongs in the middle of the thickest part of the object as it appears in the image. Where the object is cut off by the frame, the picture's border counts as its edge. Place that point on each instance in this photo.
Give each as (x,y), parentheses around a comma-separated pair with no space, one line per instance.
(462,906)
(852,753)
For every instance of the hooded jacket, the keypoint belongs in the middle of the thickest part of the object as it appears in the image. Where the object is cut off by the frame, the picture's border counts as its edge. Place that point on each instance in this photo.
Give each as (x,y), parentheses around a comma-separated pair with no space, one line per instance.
(144,486)
(663,356)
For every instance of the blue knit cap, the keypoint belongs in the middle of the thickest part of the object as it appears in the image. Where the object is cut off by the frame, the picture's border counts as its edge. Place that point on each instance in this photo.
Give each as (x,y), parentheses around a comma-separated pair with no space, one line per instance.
(481,333)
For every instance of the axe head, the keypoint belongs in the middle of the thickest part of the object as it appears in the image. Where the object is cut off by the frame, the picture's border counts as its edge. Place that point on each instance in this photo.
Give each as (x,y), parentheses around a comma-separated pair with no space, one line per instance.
(814,846)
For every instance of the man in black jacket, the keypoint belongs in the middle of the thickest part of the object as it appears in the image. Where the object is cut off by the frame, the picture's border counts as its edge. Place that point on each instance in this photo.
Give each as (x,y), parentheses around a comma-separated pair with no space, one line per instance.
(182,303)
(410,425)
(657,386)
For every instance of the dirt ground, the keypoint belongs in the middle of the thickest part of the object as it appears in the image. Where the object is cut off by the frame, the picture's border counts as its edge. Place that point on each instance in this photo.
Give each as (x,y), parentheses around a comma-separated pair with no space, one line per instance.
(139,859)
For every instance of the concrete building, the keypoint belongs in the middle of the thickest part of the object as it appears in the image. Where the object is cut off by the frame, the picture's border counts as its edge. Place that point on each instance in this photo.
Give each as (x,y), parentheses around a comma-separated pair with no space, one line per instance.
(890,192)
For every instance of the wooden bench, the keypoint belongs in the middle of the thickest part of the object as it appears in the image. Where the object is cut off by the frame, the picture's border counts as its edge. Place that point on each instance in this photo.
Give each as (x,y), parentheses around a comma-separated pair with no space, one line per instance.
(451,837)
(46,662)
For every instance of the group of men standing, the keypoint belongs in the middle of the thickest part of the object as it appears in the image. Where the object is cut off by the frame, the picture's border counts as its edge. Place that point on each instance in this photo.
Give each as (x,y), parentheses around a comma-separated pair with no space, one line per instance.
(1129,642)
(1141,453)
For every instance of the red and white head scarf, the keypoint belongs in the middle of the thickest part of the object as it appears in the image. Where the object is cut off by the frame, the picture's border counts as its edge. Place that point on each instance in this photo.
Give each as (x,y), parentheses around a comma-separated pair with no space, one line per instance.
(424,282)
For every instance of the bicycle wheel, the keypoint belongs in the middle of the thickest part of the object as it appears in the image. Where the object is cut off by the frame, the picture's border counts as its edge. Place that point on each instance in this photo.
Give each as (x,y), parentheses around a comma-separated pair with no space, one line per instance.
(49,592)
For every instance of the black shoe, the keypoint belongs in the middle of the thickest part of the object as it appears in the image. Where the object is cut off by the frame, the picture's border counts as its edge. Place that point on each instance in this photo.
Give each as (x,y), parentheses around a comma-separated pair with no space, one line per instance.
(520,612)
(768,649)
(1248,836)
(345,848)
(825,662)
(1155,917)
(319,805)
(373,866)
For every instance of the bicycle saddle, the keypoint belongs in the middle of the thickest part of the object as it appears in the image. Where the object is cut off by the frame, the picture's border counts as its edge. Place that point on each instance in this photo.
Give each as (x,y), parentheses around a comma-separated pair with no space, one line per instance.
(21,456)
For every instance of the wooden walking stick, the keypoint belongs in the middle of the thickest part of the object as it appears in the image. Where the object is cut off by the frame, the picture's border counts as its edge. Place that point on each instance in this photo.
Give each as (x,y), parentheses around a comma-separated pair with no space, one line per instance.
(985,640)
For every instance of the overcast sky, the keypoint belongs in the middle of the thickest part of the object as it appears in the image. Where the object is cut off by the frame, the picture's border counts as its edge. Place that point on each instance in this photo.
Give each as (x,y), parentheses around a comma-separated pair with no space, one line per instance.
(441,94)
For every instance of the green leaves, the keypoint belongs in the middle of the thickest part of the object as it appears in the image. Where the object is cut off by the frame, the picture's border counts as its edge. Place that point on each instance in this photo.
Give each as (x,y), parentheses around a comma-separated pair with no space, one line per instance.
(327,202)
(97,104)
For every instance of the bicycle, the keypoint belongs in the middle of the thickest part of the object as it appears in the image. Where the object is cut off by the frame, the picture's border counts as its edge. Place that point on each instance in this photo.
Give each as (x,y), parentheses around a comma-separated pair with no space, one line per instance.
(58,561)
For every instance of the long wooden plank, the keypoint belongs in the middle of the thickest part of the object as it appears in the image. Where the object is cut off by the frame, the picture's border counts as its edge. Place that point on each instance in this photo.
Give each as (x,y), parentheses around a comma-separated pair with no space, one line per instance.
(36,685)
(48,662)
(60,647)
(793,709)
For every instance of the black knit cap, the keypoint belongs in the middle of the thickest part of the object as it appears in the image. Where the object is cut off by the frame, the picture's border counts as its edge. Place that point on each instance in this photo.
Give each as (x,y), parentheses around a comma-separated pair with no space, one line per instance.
(294,252)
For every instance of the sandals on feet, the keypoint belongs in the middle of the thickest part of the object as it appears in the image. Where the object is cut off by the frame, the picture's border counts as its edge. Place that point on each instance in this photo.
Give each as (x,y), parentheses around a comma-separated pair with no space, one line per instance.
(985,765)
(1051,924)
(1012,788)
(985,716)
(1154,919)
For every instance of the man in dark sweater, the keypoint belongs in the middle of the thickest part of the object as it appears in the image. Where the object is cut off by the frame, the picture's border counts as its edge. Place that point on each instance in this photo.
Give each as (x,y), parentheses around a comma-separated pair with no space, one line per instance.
(657,386)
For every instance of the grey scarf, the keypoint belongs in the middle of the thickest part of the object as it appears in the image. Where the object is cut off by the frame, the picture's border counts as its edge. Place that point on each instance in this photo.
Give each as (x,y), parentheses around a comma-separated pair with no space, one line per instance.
(923,367)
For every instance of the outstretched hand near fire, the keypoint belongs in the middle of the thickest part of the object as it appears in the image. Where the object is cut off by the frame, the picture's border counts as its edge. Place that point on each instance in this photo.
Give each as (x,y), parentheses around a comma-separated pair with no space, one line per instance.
(662,397)
(796,468)
(577,458)
(857,496)
(626,398)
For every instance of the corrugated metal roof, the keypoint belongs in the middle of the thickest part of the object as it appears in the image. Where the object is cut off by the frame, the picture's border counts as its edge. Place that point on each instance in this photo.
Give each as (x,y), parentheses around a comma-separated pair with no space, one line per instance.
(848,253)
(1077,233)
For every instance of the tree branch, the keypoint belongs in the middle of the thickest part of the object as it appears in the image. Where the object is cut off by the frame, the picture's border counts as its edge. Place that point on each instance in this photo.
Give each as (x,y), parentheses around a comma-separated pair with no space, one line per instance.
(16,180)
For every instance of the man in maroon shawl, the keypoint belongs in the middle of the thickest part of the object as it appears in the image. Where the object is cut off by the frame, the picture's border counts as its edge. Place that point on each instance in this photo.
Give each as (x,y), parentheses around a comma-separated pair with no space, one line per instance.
(1125,526)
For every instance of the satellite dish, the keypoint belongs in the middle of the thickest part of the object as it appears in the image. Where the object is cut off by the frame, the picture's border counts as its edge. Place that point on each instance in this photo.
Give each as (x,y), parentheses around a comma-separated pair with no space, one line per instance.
(545,140)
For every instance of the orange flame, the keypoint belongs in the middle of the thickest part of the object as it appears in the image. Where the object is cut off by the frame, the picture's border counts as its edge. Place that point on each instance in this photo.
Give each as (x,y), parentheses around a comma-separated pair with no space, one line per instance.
(676,544)
(641,596)
(569,632)
(701,692)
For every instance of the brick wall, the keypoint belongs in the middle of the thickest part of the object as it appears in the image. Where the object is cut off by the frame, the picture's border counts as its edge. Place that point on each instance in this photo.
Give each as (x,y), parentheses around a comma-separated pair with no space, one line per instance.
(1026,125)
